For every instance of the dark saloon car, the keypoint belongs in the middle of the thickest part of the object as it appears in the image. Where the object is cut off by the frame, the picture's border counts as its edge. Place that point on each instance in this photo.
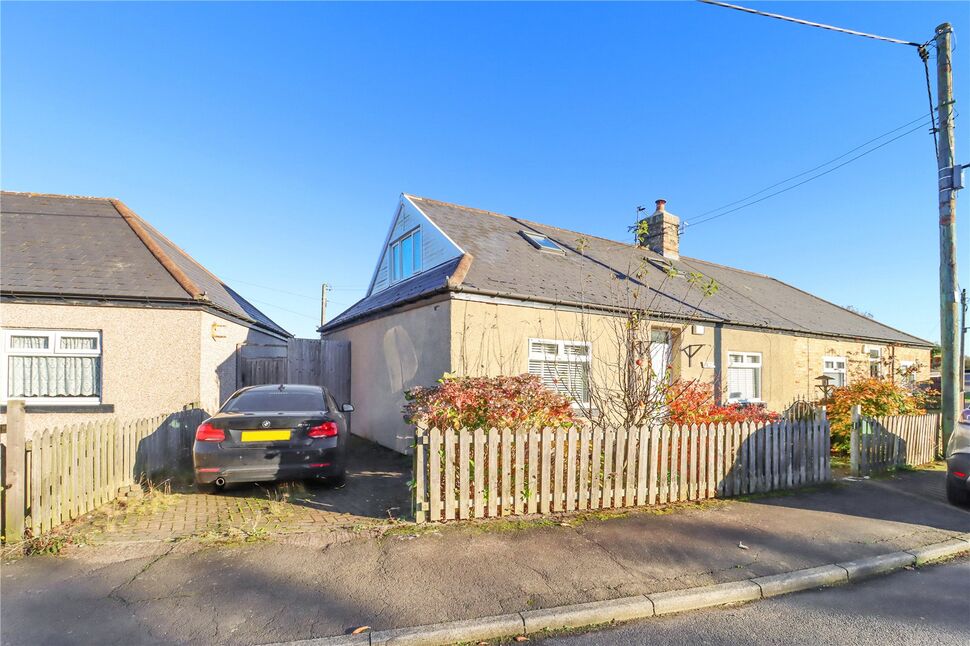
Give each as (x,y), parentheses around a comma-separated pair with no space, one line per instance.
(958,462)
(278,432)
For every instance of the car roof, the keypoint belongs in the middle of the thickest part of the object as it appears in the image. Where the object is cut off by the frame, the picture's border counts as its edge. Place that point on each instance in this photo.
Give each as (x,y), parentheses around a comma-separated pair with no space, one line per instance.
(289,388)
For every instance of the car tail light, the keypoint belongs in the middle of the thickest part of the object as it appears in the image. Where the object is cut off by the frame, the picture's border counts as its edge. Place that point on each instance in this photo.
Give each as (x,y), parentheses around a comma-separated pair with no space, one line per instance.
(327,429)
(209,433)
(960,474)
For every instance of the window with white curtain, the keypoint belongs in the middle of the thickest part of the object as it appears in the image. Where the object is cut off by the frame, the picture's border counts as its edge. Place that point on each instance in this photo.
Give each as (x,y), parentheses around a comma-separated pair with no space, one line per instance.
(744,376)
(563,366)
(907,372)
(52,366)
(834,367)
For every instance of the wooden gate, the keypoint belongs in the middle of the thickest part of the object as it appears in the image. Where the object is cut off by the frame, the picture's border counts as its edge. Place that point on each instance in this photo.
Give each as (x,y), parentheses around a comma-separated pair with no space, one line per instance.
(298,361)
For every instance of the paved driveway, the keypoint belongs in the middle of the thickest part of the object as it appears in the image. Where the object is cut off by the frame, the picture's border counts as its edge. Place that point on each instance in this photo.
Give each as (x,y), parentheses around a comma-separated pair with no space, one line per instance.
(376,491)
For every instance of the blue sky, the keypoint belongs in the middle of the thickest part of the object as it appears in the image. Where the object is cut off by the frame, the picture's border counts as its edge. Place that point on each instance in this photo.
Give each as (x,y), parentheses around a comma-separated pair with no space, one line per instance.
(271,141)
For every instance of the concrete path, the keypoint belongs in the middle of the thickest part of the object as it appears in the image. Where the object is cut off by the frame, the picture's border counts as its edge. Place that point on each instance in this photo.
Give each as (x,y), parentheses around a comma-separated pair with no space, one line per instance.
(292,588)
(924,606)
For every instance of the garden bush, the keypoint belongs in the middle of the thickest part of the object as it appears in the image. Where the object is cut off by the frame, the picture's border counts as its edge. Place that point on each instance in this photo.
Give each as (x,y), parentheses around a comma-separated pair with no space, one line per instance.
(692,402)
(877,397)
(487,402)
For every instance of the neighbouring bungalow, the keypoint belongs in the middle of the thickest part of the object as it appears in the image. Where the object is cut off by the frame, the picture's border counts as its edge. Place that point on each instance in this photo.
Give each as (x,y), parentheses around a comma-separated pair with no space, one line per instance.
(470,292)
(102,315)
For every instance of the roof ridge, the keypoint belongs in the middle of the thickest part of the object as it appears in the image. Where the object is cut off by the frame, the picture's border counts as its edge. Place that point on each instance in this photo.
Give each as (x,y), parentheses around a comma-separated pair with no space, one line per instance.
(62,195)
(518,219)
(137,226)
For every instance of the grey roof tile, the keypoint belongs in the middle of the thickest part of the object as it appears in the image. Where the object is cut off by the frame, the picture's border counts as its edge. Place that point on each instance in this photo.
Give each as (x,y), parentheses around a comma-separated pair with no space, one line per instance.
(600,272)
(53,245)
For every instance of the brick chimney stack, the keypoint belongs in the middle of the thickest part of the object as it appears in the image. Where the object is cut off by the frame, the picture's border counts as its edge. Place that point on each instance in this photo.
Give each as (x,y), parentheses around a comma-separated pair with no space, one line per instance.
(663,232)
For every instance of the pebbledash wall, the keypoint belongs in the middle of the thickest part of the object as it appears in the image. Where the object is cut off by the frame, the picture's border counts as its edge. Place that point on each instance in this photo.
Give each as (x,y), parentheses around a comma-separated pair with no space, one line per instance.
(415,346)
(154,360)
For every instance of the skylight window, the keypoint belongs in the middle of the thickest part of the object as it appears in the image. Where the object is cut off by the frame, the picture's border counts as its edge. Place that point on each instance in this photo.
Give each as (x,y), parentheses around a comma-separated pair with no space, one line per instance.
(542,243)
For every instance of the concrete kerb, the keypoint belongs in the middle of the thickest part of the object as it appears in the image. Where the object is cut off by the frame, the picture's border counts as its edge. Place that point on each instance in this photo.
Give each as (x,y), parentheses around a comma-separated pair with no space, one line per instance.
(532,622)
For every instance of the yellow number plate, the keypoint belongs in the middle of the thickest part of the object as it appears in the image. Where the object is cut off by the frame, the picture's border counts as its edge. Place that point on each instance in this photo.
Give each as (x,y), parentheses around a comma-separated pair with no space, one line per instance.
(273,435)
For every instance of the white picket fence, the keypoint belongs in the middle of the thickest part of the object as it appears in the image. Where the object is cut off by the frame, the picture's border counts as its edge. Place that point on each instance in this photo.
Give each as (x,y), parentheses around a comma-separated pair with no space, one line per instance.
(884,443)
(504,472)
(62,473)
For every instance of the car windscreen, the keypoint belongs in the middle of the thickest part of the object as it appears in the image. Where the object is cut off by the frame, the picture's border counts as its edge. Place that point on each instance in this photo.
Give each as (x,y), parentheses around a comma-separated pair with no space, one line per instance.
(274,400)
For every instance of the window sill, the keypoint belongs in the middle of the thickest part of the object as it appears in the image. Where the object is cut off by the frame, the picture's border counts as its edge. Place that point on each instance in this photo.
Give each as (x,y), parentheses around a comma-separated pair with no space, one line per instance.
(64,408)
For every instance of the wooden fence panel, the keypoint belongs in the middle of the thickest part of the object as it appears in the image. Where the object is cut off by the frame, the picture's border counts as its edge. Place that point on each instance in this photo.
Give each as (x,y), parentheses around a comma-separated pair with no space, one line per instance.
(523,471)
(884,443)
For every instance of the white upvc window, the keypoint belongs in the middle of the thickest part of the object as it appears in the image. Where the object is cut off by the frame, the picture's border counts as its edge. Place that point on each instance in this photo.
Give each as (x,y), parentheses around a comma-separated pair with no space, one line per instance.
(563,366)
(51,367)
(744,377)
(874,352)
(404,257)
(834,367)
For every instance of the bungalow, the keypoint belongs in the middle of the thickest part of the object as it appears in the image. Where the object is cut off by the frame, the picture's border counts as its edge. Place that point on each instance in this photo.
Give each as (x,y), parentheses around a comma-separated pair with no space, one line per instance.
(103,315)
(470,292)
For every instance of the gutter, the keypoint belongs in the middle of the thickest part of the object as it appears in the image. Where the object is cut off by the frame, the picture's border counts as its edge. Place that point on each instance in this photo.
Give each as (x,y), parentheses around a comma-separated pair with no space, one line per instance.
(449,287)
(39,298)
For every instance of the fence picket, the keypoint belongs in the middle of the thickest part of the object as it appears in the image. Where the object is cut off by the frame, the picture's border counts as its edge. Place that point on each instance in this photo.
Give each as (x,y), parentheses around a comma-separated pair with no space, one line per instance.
(519,487)
(643,460)
(609,436)
(558,462)
(435,458)
(479,453)
(663,471)
(596,466)
(545,493)
(584,477)
(571,469)
(420,476)
(675,463)
(533,502)
(449,492)
(693,442)
(630,484)
(493,492)
(618,466)
(506,501)
(463,474)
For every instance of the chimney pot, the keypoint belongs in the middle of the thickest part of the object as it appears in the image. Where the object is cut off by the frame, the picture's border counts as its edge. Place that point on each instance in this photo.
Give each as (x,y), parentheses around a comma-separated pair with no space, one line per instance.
(661,204)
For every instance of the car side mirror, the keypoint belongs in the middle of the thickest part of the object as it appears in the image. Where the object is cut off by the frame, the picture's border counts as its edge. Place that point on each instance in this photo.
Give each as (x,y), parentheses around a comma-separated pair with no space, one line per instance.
(347,408)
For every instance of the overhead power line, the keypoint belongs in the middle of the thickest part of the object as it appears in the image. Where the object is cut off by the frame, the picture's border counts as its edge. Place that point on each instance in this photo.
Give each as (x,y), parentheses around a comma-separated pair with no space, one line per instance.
(810,170)
(808,23)
(809,179)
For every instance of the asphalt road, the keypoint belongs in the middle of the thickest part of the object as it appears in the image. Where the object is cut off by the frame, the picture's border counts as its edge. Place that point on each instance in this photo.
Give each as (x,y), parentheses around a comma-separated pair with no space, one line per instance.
(929,605)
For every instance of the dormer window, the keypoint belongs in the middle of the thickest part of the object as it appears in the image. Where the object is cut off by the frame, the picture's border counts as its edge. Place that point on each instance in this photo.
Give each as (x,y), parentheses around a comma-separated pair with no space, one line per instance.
(542,243)
(406,255)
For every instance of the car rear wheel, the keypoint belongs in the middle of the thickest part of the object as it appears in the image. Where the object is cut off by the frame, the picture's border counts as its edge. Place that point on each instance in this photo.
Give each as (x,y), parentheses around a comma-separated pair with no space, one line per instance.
(957,493)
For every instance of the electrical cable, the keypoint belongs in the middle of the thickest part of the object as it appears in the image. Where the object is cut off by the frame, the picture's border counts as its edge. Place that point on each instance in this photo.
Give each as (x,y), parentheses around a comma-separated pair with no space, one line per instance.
(805,181)
(808,23)
(810,170)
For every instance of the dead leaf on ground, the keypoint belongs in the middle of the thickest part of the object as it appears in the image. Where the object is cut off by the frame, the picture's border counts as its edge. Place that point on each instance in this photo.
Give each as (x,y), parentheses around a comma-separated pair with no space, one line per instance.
(361,629)
(521,638)
(742,545)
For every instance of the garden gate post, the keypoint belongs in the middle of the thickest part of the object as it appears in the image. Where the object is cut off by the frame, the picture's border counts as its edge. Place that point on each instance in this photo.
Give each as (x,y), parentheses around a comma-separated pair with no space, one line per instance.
(15,478)
(855,444)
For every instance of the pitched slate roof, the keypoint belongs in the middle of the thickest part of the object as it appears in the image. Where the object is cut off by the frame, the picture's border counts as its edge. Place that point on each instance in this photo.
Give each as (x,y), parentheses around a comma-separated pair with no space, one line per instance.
(88,247)
(604,273)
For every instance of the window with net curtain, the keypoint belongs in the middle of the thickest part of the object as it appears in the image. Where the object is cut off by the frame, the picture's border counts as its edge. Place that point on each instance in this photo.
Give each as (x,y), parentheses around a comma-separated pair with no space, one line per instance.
(53,365)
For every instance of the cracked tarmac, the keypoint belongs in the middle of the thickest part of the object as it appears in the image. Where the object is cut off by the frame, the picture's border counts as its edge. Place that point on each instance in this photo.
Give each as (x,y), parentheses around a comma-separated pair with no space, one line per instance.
(290,588)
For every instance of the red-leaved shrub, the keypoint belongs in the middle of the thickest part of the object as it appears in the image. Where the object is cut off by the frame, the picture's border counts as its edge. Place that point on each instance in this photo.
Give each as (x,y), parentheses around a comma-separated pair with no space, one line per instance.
(692,402)
(487,402)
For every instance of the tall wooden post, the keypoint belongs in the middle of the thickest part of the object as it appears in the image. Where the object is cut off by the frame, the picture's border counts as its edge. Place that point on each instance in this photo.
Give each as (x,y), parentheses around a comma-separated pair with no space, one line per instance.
(15,478)
(855,441)
(951,370)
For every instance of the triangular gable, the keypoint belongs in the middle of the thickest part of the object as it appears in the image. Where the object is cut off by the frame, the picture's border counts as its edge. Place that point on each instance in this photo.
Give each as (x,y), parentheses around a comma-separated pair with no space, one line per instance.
(436,246)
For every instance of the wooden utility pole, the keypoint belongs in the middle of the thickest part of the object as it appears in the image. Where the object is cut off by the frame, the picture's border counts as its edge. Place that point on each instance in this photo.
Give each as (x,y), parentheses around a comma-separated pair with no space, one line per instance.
(951,371)
(323,303)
